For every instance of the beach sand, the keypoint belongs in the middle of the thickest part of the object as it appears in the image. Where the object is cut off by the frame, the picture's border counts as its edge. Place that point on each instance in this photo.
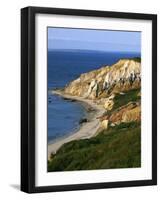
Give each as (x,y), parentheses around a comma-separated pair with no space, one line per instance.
(86,130)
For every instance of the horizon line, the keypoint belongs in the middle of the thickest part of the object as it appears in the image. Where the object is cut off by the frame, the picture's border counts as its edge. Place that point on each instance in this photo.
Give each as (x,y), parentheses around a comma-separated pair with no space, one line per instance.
(52,49)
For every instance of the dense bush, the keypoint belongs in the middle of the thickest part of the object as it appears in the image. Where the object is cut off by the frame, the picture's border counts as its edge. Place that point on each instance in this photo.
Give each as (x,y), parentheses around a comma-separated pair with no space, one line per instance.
(117,147)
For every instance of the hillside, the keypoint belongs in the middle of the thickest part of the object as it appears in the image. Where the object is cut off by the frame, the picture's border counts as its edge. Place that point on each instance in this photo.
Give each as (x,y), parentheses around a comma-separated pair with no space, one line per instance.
(120,77)
(119,147)
(117,89)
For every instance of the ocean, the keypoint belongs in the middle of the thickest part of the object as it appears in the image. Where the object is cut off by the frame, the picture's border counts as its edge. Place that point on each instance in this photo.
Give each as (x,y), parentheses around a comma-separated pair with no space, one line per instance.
(63,67)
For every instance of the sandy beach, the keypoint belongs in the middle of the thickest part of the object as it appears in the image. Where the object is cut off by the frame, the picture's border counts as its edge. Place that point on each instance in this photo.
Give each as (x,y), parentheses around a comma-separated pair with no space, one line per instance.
(86,130)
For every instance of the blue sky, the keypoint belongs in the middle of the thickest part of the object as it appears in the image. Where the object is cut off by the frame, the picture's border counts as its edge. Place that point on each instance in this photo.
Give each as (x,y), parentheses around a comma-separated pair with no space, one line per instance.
(85,39)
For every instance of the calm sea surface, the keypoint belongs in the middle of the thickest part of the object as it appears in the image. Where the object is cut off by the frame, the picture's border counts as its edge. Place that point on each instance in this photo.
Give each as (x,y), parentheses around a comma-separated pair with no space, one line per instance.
(63,67)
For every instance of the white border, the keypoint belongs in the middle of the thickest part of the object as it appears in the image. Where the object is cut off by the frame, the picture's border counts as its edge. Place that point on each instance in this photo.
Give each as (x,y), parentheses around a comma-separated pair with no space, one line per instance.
(92,176)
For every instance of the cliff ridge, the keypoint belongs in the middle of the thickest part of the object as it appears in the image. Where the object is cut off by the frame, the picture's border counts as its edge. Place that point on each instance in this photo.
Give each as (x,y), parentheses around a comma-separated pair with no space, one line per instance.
(119,77)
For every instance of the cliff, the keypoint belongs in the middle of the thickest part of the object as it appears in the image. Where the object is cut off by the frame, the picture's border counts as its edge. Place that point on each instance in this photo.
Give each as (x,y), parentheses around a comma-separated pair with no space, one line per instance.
(115,87)
(117,90)
(120,77)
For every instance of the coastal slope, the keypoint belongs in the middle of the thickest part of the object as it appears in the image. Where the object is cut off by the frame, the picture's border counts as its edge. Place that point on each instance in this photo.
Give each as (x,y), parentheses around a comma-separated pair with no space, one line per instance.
(115,138)
(120,77)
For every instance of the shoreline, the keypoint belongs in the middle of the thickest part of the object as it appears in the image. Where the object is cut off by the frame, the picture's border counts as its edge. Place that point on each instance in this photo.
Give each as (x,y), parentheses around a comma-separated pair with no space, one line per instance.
(87,129)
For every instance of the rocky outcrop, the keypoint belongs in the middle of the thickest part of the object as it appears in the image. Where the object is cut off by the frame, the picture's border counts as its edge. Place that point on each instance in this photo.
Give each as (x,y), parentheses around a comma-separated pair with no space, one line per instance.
(109,102)
(101,83)
(104,124)
(127,113)
(104,121)
(124,114)
(123,76)
(88,85)
(107,83)
(132,115)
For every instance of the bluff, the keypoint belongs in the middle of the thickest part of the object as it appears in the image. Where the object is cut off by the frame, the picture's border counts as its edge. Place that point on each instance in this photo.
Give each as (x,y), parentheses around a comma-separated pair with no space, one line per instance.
(101,83)
(117,89)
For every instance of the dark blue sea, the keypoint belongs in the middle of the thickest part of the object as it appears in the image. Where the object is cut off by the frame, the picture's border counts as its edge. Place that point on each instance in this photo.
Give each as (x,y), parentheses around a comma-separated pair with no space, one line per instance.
(63,67)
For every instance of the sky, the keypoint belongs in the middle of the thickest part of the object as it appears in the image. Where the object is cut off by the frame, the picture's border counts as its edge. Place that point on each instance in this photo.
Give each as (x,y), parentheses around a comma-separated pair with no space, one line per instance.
(99,40)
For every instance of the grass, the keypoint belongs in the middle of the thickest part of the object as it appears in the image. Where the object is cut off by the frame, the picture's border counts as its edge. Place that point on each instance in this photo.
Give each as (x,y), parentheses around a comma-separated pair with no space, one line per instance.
(137,59)
(121,99)
(117,147)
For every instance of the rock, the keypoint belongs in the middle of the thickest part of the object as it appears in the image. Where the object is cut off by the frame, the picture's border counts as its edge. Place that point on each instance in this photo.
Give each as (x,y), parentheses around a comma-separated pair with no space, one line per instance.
(68,99)
(109,103)
(83,120)
(129,112)
(104,117)
(122,93)
(93,89)
(72,100)
(90,109)
(104,124)
(132,115)
(112,124)
(120,77)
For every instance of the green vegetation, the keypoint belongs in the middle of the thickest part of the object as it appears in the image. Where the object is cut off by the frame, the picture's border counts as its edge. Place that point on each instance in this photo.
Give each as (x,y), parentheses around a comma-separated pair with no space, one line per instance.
(137,59)
(123,99)
(117,147)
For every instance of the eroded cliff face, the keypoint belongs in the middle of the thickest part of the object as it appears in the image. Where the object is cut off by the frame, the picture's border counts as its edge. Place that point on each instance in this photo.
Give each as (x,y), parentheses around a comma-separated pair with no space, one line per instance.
(116,88)
(126,113)
(89,84)
(120,77)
